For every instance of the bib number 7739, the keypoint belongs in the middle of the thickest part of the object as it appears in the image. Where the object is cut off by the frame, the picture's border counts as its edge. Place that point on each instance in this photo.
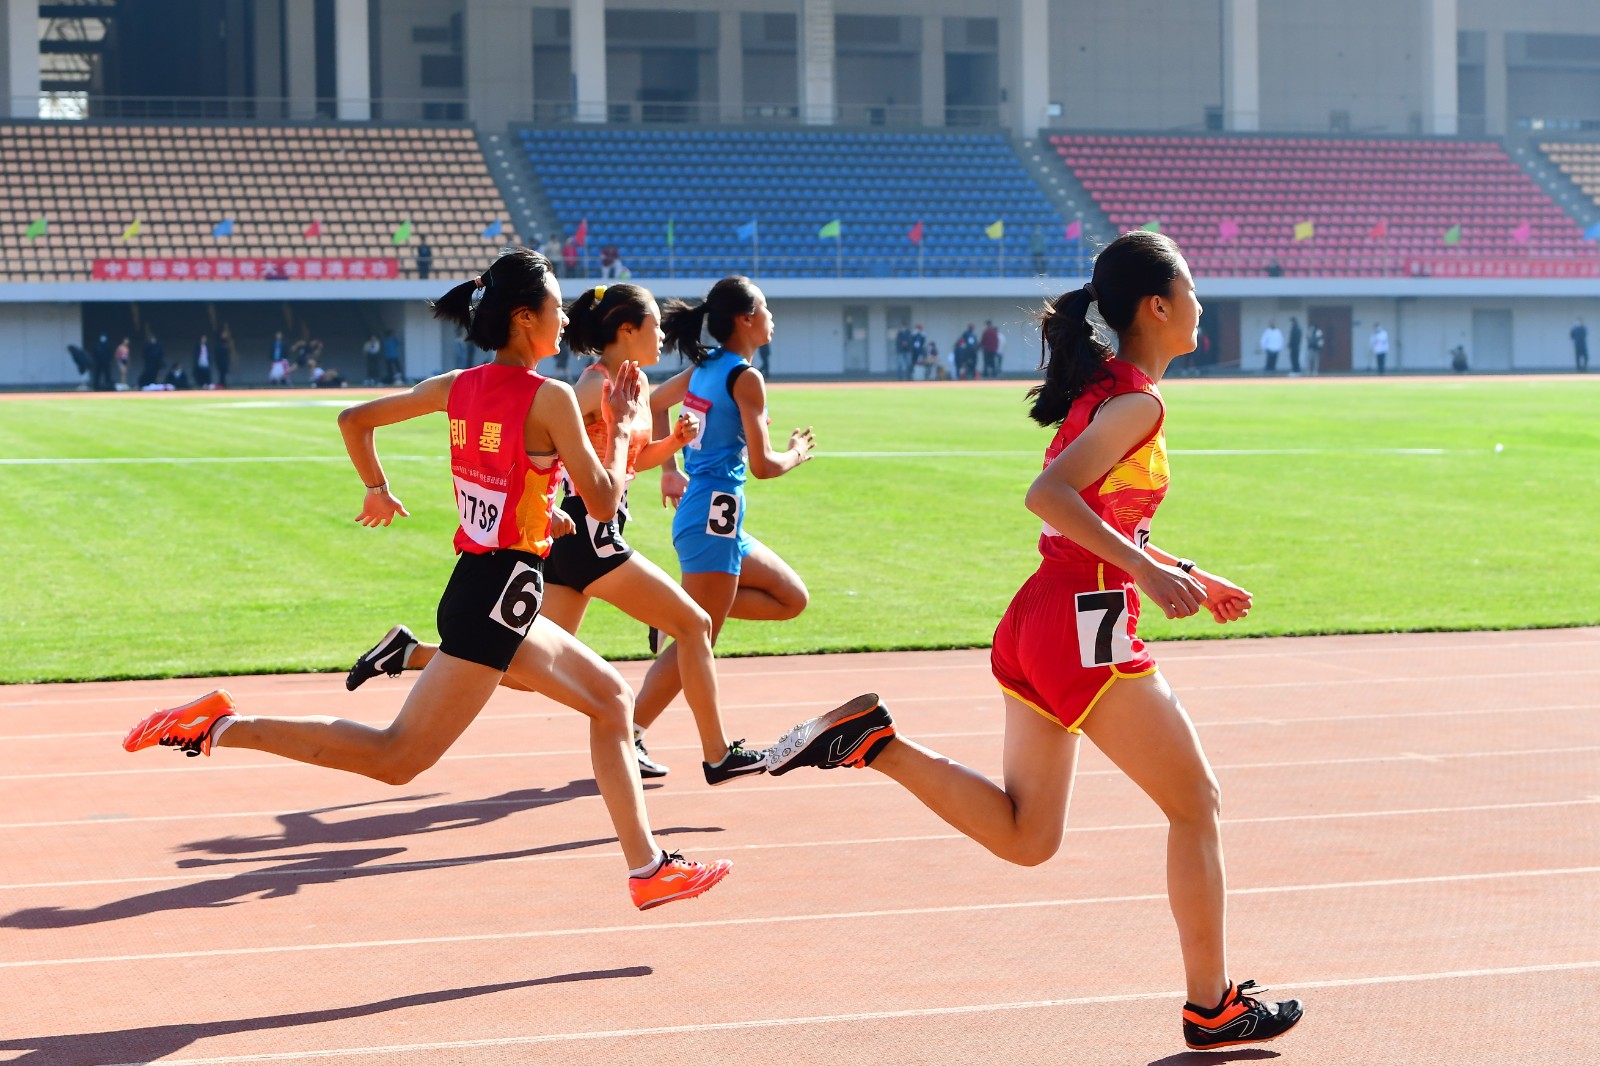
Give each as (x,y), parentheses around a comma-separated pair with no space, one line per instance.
(1103,637)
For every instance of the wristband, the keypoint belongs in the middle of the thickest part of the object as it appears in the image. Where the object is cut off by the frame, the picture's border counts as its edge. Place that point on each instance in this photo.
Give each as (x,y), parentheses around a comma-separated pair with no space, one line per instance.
(382,486)
(1186,565)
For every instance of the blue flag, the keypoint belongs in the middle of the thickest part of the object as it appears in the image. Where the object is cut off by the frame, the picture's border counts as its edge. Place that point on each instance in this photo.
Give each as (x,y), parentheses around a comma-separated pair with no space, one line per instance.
(1592,233)
(493,230)
(747,232)
(223,228)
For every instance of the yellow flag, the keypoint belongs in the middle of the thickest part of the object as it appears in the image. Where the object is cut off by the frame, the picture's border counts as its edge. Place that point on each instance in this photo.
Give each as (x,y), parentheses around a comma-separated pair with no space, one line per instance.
(997,231)
(133,230)
(1304,231)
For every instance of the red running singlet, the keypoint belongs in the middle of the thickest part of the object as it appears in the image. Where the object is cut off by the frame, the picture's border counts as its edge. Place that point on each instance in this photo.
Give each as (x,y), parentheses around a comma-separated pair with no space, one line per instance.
(503,497)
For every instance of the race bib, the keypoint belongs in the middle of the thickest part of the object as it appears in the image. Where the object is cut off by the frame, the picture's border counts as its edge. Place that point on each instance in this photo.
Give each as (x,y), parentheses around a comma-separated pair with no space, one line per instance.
(1105,635)
(481,511)
(702,411)
(723,518)
(605,536)
(519,602)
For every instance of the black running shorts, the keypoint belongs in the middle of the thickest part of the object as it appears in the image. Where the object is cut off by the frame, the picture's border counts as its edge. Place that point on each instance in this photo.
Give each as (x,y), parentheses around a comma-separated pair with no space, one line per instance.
(579,559)
(489,605)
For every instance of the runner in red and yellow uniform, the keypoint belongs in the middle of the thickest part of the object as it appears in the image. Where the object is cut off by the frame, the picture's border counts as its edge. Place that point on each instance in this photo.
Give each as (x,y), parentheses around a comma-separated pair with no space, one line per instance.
(1067,655)
(511,434)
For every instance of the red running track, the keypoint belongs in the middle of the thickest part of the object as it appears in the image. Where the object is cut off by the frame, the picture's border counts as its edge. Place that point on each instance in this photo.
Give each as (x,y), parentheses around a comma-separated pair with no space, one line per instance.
(1412,825)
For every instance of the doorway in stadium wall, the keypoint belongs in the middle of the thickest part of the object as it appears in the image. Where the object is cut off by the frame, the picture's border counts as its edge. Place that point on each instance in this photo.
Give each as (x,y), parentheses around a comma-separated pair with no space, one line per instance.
(854,332)
(1491,340)
(1219,337)
(1334,322)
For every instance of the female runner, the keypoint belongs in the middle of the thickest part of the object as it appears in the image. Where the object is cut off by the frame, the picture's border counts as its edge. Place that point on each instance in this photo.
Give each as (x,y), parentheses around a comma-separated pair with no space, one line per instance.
(620,324)
(1067,655)
(511,431)
(726,571)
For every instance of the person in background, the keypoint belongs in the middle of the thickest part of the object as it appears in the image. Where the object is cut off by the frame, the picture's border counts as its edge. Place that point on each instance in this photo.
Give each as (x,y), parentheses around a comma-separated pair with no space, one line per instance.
(1580,346)
(1272,345)
(966,353)
(992,344)
(121,355)
(902,351)
(1296,335)
(764,353)
(391,358)
(373,351)
(222,359)
(1379,343)
(1316,340)
(100,378)
(154,357)
(919,349)
(424,259)
(202,363)
(1036,248)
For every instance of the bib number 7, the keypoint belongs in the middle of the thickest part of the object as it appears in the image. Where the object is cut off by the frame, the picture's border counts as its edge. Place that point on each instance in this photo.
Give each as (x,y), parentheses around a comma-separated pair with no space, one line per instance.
(1103,637)
(518,603)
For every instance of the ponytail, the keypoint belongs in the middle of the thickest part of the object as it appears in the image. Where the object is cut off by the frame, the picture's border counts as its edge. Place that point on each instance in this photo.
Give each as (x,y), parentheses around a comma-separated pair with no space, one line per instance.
(1073,355)
(594,318)
(727,300)
(483,306)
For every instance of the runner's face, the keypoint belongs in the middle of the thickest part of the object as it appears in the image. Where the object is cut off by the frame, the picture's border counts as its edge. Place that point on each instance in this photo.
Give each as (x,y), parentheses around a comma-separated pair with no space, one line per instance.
(1183,315)
(759,321)
(544,329)
(642,343)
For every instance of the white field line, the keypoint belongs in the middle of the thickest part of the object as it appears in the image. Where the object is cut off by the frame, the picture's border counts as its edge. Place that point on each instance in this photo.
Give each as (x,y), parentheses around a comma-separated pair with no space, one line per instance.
(612,855)
(864,1016)
(633,931)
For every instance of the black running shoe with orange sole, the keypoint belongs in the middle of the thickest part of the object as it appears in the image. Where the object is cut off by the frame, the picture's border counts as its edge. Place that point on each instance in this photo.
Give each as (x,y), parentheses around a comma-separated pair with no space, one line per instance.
(849,735)
(1239,1019)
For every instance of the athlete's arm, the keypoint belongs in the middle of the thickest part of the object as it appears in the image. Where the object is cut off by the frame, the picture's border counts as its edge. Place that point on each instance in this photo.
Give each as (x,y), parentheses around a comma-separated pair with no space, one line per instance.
(662,398)
(1116,430)
(750,393)
(1226,601)
(555,425)
(661,450)
(356,425)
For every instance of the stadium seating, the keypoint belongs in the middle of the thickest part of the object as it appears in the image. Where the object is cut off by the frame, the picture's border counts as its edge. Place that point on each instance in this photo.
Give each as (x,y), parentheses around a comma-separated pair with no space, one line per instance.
(1580,162)
(91,181)
(630,183)
(1199,188)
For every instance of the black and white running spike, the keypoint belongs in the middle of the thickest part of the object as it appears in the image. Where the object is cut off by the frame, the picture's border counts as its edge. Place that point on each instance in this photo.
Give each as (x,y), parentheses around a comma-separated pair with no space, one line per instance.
(388,656)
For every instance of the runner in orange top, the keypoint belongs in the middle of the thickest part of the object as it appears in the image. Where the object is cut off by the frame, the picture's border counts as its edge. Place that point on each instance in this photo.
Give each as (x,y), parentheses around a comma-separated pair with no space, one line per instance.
(621,325)
(511,433)
(1067,654)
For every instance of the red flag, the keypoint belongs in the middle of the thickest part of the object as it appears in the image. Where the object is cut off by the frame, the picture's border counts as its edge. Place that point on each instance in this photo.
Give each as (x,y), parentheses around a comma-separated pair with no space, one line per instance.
(581,237)
(1380,232)
(915,236)
(314,230)
(1523,233)
(1075,230)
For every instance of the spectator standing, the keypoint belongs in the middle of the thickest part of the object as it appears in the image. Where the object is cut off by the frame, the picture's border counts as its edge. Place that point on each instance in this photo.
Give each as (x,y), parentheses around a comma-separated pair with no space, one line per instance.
(121,355)
(222,359)
(1315,341)
(391,357)
(764,353)
(1036,248)
(424,259)
(373,350)
(1272,345)
(154,356)
(100,376)
(202,363)
(1295,337)
(966,353)
(279,374)
(902,351)
(992,343)
(1580,346)
(1379,342)
(554,250)
(919,349)
(569,257)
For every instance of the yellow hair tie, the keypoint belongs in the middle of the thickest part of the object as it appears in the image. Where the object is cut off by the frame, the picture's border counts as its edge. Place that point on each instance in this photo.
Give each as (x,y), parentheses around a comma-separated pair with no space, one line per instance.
(599,293)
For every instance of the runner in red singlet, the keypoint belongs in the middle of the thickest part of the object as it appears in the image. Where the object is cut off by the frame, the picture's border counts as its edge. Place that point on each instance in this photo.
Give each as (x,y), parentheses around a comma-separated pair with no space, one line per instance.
(511,432)
(1067,655)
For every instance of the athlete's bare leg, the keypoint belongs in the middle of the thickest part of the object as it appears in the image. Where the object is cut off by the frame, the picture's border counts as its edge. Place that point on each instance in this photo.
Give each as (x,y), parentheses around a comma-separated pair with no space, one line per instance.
(714,592)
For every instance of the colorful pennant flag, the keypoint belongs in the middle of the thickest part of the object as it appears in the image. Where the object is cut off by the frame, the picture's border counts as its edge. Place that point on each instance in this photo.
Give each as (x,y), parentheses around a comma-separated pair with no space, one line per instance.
(747,232)
(38,227)
(313,231)
(1304,231)
(1152,226)
(580,236)
(223,228)
(914,234)
(833,229)
(492,231)
(402,234)
(1592,233)
(1380,232)
(1523,233)
(1452,235)
(996,231)
(133,229)
(1227,230)
(1075,230)
(672,234)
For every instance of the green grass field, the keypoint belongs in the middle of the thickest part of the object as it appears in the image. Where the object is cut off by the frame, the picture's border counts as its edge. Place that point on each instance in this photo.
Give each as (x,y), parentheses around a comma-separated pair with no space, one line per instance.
(908,528)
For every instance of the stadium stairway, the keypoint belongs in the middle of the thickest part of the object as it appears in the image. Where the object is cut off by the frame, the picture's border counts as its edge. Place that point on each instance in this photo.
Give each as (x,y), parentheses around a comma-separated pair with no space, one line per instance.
(1066,191)
(1537,158)
(522,194)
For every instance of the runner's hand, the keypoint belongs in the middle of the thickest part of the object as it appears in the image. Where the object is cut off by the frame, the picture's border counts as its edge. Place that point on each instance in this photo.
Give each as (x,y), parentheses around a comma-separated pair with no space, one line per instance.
(561,523)
(1226,601)
(685,428)
(673,486)
(379,509)
(802,442)
(626,396)
(1175,593)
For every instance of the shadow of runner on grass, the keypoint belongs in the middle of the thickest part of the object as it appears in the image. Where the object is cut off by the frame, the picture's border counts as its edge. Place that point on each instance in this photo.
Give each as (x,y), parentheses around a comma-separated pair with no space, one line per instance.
(276,882)
(158,1041)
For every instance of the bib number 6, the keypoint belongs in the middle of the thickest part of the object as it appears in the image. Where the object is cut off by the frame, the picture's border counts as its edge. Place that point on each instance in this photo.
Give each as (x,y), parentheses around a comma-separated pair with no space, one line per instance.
(723,520)
(1103,638)
(518,603)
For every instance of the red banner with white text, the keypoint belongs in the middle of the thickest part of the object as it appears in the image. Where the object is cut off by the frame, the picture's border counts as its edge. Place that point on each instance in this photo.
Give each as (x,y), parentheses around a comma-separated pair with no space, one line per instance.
(251,269)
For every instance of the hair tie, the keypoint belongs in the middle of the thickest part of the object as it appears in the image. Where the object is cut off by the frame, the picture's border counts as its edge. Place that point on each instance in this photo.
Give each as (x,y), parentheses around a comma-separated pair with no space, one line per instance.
(1088,287)
(599,293)
(478,281)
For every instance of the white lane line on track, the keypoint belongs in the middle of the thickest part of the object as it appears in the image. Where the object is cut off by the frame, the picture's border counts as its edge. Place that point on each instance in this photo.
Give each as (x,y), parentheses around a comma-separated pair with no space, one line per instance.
(865,1016)
(1454,712)
(287,764)
(783,919)
(613,855)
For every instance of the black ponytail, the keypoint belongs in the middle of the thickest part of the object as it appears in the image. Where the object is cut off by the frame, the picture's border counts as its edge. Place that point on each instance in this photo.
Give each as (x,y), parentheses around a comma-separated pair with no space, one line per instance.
(595,316)
(483,306)
(683,323)
(1073,355)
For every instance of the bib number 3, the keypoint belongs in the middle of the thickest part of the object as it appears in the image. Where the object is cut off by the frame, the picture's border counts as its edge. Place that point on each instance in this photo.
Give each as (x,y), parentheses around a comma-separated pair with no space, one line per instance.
(518,603)
(723,519)
(1103,637)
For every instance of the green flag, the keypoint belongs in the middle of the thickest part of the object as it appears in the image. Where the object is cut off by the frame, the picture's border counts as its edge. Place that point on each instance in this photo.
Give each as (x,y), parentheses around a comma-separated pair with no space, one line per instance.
(672,235)
(38,227)
(1151,227)
(403,234)
(1452,235)
(832,229)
